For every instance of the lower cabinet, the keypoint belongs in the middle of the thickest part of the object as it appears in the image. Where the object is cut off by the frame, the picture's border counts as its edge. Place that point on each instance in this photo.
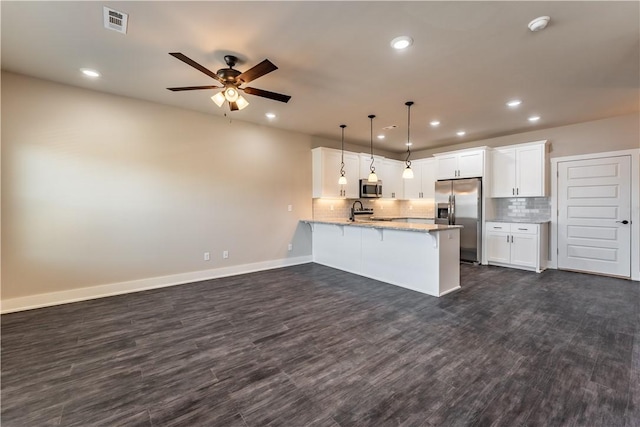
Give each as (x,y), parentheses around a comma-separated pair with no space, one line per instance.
(517,245)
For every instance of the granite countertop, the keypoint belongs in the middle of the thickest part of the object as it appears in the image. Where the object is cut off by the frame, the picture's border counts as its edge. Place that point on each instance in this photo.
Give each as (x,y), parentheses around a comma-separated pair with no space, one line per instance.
(390,225)
(390,218)
(520,220)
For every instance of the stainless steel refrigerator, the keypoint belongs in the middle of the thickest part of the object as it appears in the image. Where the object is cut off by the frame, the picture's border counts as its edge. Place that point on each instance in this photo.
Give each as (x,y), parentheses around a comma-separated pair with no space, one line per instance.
(459,202)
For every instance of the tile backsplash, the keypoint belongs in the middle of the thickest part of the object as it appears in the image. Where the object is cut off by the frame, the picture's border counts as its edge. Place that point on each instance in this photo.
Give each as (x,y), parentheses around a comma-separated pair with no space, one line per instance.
(339,208)
(534,208)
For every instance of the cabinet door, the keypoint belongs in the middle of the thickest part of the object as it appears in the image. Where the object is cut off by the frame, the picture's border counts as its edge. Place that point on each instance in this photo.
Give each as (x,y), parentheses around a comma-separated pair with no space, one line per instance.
(352,173)
(330,173)
(428,178)
(391,176)
(498,247)
(413,187)
(470,164)
(524,250)
(530,171)
(503,173)
(447,166)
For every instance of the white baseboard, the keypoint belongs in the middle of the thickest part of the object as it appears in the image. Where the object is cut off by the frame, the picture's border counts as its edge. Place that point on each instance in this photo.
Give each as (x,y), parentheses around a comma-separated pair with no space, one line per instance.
(81,294)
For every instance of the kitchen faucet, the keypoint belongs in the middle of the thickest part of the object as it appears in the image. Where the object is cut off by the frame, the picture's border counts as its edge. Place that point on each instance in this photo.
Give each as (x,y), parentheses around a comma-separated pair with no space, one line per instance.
(361,211)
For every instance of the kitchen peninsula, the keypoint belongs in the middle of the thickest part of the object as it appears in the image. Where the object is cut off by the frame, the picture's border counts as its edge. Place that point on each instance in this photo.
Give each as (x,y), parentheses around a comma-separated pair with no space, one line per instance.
(421,257)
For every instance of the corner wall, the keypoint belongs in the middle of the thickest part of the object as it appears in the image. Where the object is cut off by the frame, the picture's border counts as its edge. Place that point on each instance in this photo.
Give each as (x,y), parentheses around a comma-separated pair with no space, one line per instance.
(100,189)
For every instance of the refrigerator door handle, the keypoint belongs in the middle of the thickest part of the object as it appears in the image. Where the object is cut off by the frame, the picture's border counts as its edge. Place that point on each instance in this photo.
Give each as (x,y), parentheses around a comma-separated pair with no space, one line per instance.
(452,210)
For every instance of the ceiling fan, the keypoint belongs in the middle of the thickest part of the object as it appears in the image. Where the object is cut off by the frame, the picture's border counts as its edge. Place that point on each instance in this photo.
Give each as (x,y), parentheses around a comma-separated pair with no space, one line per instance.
(232,79)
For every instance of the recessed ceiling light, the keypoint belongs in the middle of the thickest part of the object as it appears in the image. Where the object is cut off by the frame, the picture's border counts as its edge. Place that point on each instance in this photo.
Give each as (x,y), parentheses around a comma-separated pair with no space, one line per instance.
(540,23)
(534,118)
(408,143)
(514,103)
(90,73)
(380,136)
(270,116)
(401,42)
(461,133)
(434,123)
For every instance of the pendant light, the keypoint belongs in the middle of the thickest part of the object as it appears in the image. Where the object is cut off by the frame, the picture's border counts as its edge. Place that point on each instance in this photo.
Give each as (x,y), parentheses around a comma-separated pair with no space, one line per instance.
(408,172)
(372,176)
(343,179)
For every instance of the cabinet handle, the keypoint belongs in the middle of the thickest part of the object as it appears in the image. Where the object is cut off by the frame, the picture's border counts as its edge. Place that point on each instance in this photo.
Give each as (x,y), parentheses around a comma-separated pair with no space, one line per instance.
(497,228)
(507,239)
(517,191)
(513,191)
(523,229)
(511,239)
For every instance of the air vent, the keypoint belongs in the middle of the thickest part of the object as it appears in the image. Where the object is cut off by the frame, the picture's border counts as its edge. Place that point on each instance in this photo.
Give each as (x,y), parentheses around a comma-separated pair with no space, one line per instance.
(115,20)
(390,127)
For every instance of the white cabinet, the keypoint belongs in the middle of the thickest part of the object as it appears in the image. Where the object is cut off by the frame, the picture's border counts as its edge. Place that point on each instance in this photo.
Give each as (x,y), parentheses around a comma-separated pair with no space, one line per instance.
(390,173)
(460,164)
(422,186)
(326,172)
(516,245)
(519,170)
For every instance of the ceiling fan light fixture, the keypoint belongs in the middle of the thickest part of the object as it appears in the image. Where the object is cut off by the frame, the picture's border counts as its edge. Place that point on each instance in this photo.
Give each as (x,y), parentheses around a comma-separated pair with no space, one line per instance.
(218,98)
(241,102)
(231,94)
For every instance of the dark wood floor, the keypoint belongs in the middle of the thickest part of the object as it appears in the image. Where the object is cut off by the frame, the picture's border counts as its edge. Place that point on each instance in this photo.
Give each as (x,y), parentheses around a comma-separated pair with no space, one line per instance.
(313,346)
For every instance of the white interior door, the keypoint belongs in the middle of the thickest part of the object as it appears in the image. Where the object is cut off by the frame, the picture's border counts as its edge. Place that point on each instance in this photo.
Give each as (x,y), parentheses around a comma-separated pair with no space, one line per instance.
(594,201)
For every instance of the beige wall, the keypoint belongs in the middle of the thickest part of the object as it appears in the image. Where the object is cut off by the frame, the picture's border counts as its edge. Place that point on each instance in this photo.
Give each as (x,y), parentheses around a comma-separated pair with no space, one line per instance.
(99,189)
(612,134)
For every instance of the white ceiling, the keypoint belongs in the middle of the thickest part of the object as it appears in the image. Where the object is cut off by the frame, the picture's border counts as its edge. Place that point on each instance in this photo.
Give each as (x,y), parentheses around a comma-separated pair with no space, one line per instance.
(334,59)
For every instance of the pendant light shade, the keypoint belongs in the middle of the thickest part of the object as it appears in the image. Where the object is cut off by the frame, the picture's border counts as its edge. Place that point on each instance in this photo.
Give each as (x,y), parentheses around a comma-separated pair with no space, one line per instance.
(408,172)
(343,179)
(372,175)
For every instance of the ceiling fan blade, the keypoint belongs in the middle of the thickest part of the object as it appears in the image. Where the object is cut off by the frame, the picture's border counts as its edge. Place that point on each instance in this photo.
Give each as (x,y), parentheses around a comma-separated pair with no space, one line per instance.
(265,67)
(233,106)
(266,94)
(194,64)
(178,89)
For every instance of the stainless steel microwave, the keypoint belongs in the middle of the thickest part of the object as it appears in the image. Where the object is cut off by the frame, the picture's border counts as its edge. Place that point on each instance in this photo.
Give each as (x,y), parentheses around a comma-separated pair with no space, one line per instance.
(370,189)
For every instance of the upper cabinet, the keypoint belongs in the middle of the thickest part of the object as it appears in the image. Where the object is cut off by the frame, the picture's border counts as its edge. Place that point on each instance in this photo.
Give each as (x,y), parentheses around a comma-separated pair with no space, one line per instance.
(460,164)
(519,170)
(326,172)
(422,186)
(390,173)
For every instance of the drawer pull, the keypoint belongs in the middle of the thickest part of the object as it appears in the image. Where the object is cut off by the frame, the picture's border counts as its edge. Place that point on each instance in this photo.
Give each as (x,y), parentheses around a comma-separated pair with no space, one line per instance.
(523,229)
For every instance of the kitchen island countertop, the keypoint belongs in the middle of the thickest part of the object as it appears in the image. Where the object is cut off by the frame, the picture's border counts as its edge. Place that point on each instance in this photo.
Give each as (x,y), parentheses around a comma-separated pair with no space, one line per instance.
(390,225)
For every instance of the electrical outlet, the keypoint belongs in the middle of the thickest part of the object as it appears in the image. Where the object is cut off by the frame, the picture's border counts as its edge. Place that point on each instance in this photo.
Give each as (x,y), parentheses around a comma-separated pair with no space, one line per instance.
(225,254)
(290,247)
(289,208)
(207,256)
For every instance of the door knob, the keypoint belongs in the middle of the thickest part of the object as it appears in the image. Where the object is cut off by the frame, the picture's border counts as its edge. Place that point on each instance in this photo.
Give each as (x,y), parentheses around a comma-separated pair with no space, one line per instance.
(624,221)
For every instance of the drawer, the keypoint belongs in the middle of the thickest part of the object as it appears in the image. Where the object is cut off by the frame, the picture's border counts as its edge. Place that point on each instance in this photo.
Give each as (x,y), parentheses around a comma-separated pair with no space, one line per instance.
(524,228)
(498,226)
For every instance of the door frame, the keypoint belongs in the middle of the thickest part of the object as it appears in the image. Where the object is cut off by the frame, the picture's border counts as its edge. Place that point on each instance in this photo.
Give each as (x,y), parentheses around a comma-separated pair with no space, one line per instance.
(635,205)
